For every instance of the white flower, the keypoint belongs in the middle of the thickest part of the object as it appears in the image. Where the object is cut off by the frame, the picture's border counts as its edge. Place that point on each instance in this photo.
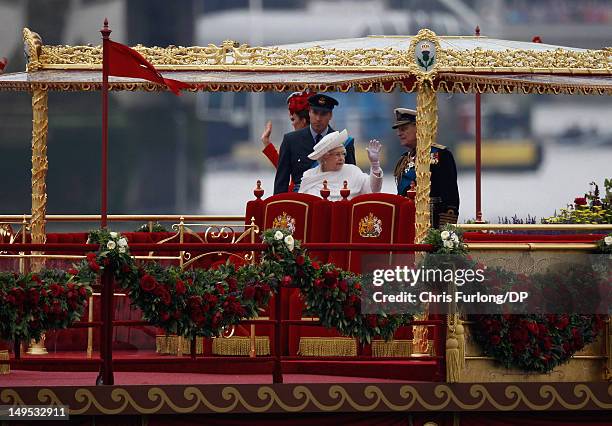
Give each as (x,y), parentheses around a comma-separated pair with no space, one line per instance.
(113,234)
(448,244)
(278,235)
(122,242)
(121,249)
(608,240)
(111,245)
(290,242)
(445,235)
(454,237)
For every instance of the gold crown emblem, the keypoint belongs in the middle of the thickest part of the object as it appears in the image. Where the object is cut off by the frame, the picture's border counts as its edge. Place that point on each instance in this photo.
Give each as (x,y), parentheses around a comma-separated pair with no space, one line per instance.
(321,101)
(284,221)
(370,226)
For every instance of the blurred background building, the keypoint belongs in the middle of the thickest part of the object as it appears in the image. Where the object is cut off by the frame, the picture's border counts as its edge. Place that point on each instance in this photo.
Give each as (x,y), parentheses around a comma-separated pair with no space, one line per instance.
(201,153)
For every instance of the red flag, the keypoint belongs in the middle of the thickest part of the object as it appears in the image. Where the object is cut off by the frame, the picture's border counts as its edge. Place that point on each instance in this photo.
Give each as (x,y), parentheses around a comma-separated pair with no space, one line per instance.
(3,62)
(124,61)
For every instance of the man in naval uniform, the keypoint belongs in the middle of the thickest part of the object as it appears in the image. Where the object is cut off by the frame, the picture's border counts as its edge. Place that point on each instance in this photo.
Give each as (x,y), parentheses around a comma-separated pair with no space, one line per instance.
(444,194)
(293,159)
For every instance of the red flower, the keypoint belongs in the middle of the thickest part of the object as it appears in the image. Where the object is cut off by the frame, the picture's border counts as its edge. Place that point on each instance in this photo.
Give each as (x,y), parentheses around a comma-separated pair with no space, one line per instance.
(580,201)
(165,316)
(55,290)
(495,339)
(562,323)
(349,312)
(286,281)
(34,296)
(36,278)
(148,283)
(343,286)
(232,284)
(533,328)
(299,259)
(82,291)
(372,321)
(248,292)
(180,287)
(318,283)
(73,271)
(220,288)
(94,266)
(165,297)
(316,265)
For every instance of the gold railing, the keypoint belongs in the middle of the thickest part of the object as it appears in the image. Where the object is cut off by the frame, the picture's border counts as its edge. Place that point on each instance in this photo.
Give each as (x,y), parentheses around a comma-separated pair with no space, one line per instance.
(227,232)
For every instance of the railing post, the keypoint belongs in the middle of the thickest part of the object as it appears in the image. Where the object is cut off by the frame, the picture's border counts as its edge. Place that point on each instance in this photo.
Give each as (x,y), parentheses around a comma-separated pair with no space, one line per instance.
(277,375)
(105,376)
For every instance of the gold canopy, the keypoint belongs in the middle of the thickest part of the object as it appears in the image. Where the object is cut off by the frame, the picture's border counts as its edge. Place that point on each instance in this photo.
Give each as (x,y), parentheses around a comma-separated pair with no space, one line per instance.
(424,63)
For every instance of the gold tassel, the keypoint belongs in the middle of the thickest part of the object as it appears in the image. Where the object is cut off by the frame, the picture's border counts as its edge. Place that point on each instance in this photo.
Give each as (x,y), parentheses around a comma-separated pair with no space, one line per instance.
(327,346)
(460,333)
(394,348)
(4,368)
(240,345)
(608,331)
(452,359)
(171,344)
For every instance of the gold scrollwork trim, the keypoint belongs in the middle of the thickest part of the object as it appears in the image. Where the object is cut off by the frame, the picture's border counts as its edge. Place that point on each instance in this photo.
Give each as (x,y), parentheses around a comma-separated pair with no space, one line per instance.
(443,397)
(231,55)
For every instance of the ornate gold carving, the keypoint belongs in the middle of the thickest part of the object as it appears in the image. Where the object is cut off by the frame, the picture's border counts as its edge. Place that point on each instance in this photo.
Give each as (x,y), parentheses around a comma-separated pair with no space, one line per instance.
(427,128)
(40,165)
(480,59)
(33,49)
(232,55)
(370,226)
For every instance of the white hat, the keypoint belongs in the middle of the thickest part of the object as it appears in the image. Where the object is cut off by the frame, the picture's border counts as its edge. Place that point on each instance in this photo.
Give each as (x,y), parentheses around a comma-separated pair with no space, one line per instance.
(330,141)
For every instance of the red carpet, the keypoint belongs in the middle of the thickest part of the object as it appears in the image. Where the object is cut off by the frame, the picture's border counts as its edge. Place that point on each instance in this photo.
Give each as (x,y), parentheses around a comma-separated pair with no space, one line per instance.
(58,378)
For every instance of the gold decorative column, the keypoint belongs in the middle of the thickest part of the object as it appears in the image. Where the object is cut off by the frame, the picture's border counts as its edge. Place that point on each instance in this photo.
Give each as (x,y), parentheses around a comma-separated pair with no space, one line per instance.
(425,55)
(40,165)
(427,128)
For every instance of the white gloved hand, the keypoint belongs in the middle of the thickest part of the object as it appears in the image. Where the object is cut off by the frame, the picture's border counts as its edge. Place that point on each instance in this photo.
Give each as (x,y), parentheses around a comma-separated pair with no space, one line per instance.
(265,136)
(374,152)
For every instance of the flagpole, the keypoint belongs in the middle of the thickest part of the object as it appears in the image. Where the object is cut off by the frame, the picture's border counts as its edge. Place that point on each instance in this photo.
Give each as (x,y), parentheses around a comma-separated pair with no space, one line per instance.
(104,186)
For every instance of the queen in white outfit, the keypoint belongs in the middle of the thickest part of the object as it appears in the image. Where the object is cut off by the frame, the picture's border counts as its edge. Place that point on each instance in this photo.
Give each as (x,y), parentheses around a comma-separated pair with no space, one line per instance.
(330,153)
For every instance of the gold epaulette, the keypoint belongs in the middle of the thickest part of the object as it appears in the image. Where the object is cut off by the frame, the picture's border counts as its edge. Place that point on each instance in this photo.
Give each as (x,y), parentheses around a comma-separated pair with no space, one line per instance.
(437,145)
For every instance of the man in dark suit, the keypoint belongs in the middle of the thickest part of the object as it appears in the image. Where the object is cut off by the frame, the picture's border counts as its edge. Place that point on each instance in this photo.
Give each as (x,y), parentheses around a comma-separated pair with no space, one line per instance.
(293,158)
(444,193)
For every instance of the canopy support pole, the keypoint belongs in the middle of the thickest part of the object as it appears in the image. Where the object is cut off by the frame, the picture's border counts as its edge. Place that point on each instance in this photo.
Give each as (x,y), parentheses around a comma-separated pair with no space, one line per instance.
(478,158)
(40,165)
(427,129)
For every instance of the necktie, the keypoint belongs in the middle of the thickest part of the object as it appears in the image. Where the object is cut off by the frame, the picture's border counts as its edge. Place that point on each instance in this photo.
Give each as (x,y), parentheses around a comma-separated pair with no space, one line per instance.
(318,138)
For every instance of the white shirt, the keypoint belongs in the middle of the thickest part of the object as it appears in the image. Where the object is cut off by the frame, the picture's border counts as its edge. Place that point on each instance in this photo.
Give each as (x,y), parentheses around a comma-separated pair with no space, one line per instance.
(358,182)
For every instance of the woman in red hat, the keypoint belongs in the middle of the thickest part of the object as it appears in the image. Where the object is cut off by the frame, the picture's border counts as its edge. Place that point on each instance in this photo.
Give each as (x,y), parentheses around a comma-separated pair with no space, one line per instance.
(298,106)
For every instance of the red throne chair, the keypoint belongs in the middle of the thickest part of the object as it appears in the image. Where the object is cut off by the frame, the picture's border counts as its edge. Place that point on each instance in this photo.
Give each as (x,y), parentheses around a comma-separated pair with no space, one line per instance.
(307,218)
(369,218)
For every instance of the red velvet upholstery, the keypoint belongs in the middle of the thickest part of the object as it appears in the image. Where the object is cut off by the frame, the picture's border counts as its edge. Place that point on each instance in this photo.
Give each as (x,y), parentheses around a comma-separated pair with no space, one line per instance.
(299,212)
(355,221)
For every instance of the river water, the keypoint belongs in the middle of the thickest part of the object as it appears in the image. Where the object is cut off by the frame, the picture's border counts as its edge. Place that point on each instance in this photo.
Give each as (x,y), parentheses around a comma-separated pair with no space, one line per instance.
(564,174)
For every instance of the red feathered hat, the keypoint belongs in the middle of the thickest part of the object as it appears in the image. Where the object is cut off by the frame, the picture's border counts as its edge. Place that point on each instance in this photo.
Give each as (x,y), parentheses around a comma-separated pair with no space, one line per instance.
(298,101)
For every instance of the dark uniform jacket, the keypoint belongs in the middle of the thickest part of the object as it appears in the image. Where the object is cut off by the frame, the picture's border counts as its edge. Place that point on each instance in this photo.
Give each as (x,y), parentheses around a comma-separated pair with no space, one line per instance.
(293,158)
(444,193)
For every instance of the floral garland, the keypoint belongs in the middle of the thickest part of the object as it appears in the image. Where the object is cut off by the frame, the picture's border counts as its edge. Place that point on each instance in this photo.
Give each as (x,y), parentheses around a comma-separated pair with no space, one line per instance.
(203,302)
(331,294)
(535,343)
(31,304)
